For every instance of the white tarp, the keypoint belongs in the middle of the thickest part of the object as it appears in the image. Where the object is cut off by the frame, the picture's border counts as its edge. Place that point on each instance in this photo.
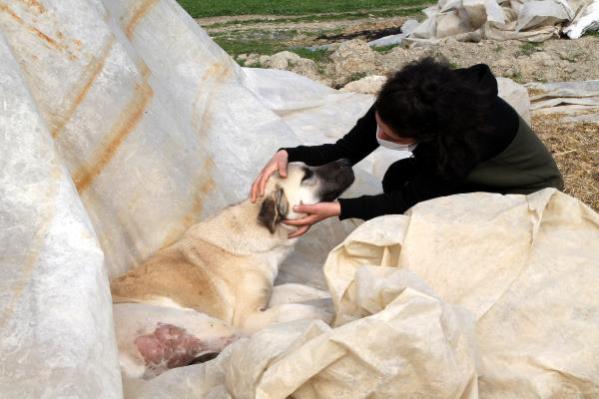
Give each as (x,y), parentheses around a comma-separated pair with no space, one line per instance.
(473,20)
(121,124)
(521,274)
(578,100)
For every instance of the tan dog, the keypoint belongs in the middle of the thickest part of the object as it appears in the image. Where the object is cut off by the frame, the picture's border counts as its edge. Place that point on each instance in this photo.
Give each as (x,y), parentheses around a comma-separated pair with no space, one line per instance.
(224,268)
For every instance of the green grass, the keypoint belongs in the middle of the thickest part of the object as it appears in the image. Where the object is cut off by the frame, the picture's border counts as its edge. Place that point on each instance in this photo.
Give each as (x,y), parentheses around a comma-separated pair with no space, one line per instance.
(357,76)
(385,49)
(321,55)
(592,33)
(517,77)
(530,48)
(255,41)
(235,46)
(212,8)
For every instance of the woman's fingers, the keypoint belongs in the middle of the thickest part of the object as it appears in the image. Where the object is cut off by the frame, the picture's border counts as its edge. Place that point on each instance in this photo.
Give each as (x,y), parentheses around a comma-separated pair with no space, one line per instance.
(254,193)
(304,208)
(282,167)
(306,220)
(277,163)
(299,232)
(263,179)
(257,191)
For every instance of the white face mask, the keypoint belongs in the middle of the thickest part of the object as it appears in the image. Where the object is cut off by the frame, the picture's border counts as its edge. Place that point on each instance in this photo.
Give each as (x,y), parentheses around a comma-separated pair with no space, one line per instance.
(393,145)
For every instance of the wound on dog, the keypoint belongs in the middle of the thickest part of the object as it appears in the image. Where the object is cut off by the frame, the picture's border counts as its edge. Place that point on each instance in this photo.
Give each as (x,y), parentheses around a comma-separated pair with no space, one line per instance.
(167,347)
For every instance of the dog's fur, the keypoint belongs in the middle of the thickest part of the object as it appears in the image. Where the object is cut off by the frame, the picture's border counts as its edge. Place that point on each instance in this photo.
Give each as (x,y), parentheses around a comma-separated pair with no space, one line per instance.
(224,268)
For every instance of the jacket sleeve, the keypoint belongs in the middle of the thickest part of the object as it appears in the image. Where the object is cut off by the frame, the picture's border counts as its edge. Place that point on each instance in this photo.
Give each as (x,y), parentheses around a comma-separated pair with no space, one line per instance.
(355,145)
(421,188)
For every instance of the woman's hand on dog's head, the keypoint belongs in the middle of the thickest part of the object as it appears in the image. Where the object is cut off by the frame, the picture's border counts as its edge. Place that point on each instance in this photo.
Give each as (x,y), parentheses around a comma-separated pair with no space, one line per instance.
(314,214)
(277,163)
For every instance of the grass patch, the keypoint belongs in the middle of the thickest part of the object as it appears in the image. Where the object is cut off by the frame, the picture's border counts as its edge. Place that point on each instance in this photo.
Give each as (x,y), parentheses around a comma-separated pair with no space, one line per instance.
(517,77)
(357,76)
(530,48)
(266,42)
(234,46)
(498,49)
(319,55)
(385,49)
(212,8)
(594,33)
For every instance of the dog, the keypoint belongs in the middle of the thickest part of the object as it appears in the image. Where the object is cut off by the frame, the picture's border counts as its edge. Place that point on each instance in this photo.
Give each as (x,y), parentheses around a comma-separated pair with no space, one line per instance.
(191,299)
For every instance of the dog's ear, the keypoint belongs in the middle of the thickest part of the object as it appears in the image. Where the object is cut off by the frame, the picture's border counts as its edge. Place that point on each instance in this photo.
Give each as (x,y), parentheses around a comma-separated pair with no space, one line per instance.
(274,209)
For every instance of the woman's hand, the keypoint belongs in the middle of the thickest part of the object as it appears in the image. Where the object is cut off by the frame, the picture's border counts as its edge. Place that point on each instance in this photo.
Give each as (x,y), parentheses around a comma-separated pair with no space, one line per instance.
(277,162)
(315,213)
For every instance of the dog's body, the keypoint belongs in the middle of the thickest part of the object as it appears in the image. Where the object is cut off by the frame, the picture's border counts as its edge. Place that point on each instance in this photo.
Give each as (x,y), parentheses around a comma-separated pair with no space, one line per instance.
(224,268)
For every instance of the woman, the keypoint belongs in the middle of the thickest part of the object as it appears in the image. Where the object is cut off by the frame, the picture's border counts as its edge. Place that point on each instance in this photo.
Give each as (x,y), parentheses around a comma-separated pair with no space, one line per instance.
(463,138)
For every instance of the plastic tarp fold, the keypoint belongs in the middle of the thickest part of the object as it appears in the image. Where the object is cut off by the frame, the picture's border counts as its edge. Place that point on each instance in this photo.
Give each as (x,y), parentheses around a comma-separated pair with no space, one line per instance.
(135,110)
(450,300)
(46,235)
(122,123)
(578,100)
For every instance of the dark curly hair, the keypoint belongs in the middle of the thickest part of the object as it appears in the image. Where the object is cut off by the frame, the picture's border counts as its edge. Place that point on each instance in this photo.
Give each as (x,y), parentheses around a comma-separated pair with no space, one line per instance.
(443,109)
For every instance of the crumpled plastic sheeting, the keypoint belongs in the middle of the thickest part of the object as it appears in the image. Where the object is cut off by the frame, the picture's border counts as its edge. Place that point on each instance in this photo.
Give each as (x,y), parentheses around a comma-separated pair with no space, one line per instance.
(525,266)
(578,100)
(586,20)
(122,124)
(409,343)
(521,275)
(526,20)
(55,312)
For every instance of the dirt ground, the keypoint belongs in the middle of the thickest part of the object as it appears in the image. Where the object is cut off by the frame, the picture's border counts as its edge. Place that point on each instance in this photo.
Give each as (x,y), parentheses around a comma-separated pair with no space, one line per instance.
(575,146)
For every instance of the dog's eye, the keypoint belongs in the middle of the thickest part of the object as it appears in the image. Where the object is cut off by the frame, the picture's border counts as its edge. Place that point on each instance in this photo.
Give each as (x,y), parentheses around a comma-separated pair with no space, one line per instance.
(307,174)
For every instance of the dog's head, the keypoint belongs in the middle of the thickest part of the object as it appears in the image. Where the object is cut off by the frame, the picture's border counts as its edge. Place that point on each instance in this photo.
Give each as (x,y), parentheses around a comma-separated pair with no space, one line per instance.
(303,185)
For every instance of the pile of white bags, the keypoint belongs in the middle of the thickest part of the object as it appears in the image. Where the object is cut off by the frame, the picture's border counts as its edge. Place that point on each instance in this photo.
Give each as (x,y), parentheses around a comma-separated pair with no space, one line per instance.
(473,20)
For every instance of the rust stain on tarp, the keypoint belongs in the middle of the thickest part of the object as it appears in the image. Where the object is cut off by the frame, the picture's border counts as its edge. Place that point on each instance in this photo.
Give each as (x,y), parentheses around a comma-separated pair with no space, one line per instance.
(106,218)
(89,76)
(205,185)
(141,9)
(127,122)
(212,79)
(217,71)
(36,246)
(35,4)
(51,42)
